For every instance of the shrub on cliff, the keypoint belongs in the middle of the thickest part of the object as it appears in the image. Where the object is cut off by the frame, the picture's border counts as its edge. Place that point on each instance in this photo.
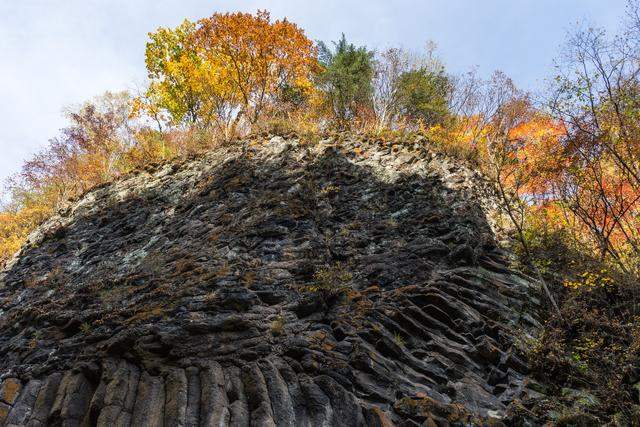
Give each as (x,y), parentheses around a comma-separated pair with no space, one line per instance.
(423,96)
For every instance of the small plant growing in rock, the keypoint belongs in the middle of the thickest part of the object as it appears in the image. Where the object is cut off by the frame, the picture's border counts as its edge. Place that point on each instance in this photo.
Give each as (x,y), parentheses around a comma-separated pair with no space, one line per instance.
(211,297)
(397,338)
(330,280)
(85,328)
(248,279)
(277,325)
(329,190)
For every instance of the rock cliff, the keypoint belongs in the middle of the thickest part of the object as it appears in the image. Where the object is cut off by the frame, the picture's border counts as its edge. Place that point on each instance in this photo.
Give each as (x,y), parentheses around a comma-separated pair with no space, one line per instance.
(339,283)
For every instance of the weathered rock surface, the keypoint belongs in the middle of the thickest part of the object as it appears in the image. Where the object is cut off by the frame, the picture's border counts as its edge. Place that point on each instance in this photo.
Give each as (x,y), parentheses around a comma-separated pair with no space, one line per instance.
(281,284)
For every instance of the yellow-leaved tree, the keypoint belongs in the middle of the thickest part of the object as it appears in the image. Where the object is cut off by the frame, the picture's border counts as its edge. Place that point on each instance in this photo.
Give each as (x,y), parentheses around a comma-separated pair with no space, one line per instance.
(228,70)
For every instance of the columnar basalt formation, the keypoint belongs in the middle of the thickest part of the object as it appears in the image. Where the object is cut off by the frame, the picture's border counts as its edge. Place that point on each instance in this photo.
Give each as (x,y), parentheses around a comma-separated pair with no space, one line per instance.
(273,282)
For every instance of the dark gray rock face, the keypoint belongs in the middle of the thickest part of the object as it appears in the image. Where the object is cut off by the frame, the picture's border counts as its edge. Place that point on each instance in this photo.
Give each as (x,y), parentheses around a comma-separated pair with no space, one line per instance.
(268,284)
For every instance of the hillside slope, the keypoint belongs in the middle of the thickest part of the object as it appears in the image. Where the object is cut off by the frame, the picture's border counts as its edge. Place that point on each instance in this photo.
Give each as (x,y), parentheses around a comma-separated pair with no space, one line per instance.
(276,283)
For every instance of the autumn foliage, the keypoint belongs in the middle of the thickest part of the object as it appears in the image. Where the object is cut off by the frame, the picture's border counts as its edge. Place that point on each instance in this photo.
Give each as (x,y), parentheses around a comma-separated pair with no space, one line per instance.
(228,70)
(575,159)
(565,168)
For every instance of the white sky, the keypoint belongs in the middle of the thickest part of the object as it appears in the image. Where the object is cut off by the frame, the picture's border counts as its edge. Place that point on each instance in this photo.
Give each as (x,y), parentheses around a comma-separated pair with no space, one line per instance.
(56,53)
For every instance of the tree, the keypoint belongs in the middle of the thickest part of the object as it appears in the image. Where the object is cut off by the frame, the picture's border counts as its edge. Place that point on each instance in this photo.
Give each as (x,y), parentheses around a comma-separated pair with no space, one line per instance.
(597,96)
(89,151)
(423,95)
(346,80)
(516,143)
(257,59)
(176,73)
(411,86)
(19,218)
(389,66)
(515,147)
(228,68)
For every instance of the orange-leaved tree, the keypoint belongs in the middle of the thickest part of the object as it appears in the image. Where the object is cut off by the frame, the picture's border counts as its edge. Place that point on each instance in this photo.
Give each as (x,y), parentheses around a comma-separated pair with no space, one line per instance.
(596,95)
(90,150)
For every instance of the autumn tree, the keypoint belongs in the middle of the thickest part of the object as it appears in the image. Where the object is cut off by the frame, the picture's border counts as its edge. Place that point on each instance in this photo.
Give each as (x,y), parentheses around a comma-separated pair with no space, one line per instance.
(176,73)
(512,143)
(516,144)
(90,150)
(596,95)
(19,217)
(228,69)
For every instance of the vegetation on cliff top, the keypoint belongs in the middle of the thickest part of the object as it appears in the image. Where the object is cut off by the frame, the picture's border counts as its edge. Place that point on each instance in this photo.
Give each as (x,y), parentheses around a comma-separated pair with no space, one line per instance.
(566,169)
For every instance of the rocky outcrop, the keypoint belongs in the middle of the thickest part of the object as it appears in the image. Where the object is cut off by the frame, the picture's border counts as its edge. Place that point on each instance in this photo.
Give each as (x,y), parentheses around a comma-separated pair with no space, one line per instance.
(269,283)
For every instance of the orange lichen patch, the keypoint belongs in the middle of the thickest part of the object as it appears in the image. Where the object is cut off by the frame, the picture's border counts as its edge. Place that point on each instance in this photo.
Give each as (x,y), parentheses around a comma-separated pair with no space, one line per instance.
(10,390)
(328,346)
(433,411)
(4,411)
(380,417)
(147,314)
(318,336)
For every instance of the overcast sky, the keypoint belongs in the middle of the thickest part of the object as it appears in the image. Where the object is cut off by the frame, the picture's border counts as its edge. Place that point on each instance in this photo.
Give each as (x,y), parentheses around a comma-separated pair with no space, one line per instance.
(56,53)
